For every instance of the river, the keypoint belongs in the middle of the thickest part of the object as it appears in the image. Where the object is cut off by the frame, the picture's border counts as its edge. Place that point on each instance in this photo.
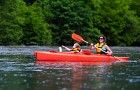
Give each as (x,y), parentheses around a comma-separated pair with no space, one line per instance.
(19,71)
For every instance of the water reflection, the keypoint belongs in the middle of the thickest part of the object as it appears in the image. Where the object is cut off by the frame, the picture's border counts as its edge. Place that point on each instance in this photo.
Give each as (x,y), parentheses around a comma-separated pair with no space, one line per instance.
(68,76)
(80,74)
(21,72)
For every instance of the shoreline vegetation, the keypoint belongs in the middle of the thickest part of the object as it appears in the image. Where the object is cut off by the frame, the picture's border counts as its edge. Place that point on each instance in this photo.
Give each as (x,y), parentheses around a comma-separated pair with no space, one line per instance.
(51,22)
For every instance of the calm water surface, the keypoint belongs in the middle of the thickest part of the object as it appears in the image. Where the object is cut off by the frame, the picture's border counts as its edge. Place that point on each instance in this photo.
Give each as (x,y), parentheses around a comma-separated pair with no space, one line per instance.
(20,71)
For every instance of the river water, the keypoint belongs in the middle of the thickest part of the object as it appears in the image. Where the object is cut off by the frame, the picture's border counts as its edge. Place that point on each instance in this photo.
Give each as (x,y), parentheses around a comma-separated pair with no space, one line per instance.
(20,71)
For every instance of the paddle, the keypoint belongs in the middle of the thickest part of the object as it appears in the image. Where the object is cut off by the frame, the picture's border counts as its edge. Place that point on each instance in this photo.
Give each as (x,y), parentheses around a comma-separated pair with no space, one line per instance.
(78,38)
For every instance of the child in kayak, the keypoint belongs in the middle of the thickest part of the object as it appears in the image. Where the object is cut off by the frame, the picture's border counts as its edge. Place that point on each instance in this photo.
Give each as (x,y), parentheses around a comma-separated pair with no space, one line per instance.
(101,47)
(76,48)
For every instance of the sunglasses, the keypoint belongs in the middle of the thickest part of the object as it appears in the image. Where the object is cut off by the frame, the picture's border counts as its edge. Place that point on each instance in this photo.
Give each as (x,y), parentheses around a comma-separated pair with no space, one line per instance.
(101,38)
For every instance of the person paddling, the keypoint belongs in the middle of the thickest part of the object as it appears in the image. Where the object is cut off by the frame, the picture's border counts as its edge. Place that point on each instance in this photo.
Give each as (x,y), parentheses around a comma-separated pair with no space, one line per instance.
(76,48)
(101,47)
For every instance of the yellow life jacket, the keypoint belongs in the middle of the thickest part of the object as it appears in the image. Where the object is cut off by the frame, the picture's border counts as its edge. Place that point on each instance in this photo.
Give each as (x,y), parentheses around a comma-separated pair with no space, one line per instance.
(99,47)
(76,49)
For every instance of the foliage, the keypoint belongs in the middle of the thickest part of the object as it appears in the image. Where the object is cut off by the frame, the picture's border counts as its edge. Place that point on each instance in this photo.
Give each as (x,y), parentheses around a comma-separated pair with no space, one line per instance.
(22,25)
(35,29)
(11,32)
(116,21)
(45,22)
(135,6)
(66,17)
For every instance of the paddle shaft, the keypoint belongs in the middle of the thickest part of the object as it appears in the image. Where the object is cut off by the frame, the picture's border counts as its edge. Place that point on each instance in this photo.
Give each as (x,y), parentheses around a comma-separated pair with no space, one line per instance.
(85,41)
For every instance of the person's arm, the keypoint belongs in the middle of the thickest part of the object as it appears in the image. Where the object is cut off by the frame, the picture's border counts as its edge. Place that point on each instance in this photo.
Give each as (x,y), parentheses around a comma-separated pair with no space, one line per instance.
(109,51)
(66,48)
(92,46)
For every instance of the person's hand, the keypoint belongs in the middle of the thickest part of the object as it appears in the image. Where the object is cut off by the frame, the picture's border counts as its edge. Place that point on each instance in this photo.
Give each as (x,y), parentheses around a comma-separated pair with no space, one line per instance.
(91,44)
(62,46)
(109,53)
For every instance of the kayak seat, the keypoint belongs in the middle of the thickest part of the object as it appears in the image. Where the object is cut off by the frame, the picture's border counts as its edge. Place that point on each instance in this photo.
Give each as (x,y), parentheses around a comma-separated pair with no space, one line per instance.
(87,52)
(53,51)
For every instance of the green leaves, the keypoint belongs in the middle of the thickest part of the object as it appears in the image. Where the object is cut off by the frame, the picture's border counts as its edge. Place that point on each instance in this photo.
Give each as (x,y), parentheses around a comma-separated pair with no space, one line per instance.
(21,24)
(11,32)
(113,18)
(45,22)
(67,17)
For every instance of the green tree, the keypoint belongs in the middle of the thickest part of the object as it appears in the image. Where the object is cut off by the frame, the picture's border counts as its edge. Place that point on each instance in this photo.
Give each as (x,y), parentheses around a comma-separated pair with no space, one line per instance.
(44,22)
(66,17)
(35,30)
(21,24)
(114,20)
(11,32)
(135,5)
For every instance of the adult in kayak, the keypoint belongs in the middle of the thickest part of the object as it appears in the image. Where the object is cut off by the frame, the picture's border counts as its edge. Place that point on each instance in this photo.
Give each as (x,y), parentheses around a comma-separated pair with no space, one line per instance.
(101,47)
(76,48)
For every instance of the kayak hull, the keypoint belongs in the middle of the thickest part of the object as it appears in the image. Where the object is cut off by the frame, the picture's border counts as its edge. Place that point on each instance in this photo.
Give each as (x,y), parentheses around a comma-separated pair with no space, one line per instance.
(75,57)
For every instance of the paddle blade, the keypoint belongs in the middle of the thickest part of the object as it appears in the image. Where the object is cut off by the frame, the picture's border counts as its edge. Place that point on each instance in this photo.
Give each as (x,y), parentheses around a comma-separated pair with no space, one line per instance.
(77,37)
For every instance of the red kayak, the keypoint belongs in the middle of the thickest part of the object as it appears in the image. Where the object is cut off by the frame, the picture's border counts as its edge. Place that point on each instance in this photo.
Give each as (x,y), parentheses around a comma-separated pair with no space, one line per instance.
(52,56)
